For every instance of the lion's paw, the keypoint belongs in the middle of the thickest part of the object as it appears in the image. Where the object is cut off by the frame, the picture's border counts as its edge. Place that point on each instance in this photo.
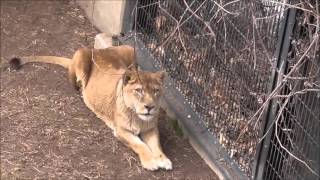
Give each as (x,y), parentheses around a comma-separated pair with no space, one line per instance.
(165,163)
(150,165)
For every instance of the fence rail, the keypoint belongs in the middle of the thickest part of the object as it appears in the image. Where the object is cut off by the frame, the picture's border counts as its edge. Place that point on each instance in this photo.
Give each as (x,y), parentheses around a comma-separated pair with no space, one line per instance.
(226,58)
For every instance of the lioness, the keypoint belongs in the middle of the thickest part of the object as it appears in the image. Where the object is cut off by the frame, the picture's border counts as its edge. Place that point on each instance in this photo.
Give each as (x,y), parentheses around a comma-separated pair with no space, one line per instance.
(126,99)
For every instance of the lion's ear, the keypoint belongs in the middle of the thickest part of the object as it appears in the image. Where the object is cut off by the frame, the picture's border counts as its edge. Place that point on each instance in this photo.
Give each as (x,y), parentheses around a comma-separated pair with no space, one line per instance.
(161,75)
(128,76)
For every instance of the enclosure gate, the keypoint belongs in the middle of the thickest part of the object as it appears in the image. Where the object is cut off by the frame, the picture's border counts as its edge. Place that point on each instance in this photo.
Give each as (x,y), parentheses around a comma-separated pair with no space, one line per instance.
(251,71)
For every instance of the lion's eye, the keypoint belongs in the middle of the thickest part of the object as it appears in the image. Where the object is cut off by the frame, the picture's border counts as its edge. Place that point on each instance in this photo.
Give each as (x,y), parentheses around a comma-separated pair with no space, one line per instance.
(156,91)
(139,90)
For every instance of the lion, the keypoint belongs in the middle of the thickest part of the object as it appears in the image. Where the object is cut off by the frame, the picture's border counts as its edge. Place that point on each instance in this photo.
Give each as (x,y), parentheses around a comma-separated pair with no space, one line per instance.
(125,98)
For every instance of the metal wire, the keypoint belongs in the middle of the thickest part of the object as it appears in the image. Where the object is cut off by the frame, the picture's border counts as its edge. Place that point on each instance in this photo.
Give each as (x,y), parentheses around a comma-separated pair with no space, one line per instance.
(220,55)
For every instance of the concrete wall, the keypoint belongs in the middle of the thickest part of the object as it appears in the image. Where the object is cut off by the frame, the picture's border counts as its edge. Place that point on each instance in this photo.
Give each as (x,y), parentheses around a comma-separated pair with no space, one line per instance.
(109,16)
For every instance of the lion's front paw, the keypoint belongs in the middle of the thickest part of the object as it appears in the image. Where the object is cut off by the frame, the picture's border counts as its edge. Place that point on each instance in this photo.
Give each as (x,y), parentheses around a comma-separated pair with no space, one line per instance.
(149,164)
(164,163)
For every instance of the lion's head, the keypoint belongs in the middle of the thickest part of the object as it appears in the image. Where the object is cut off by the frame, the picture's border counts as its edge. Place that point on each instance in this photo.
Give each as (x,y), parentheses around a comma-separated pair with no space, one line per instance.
(142,91)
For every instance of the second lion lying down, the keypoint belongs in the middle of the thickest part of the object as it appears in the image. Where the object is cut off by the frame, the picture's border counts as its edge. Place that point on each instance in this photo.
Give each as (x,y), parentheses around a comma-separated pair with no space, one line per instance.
(126,99)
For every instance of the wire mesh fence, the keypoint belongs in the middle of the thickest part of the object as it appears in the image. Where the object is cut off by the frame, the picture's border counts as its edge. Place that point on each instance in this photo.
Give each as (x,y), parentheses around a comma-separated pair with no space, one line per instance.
(295,136)
(221,55)
(295,140)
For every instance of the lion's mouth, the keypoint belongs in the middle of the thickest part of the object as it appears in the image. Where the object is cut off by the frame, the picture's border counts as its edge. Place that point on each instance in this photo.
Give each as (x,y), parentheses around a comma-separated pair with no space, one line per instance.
(146,116)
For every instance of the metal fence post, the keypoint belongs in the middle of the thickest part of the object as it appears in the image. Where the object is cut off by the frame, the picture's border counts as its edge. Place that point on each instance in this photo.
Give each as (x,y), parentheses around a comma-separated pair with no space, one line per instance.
(283,47)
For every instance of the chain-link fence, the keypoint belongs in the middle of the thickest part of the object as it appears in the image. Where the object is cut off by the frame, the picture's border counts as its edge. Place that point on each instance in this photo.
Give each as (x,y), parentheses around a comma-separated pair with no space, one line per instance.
(292,144)
(222,56)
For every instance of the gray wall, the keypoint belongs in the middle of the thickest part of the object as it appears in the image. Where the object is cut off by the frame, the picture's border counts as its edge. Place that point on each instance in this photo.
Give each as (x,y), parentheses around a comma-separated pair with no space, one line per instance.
(110,16)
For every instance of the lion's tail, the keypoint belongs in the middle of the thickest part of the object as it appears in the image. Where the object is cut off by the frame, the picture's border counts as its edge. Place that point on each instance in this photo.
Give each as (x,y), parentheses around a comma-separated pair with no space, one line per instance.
(16,63)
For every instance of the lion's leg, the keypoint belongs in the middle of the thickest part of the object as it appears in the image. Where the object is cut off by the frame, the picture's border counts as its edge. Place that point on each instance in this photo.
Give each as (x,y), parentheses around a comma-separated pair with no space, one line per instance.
(80,68)
(151,138)
(139,147)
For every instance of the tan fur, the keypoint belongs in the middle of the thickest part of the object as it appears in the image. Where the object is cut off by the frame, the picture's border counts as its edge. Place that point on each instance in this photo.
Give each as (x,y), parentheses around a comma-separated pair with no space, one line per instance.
(119,95)
(65,62)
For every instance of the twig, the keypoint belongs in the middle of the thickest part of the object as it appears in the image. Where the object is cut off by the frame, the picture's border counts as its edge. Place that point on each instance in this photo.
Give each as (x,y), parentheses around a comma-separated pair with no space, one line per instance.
(151,4)
(222,7)
(254,41)
(282,146)
(179,23)
(276,89)
(198,17)
(304,91)
(293,6)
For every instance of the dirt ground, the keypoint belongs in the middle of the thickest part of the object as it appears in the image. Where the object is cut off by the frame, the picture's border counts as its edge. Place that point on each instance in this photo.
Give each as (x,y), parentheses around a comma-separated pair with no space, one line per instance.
(46,130)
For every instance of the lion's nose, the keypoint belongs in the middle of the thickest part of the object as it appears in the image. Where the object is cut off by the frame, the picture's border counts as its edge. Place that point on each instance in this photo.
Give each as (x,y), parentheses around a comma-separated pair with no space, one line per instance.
(149,107)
